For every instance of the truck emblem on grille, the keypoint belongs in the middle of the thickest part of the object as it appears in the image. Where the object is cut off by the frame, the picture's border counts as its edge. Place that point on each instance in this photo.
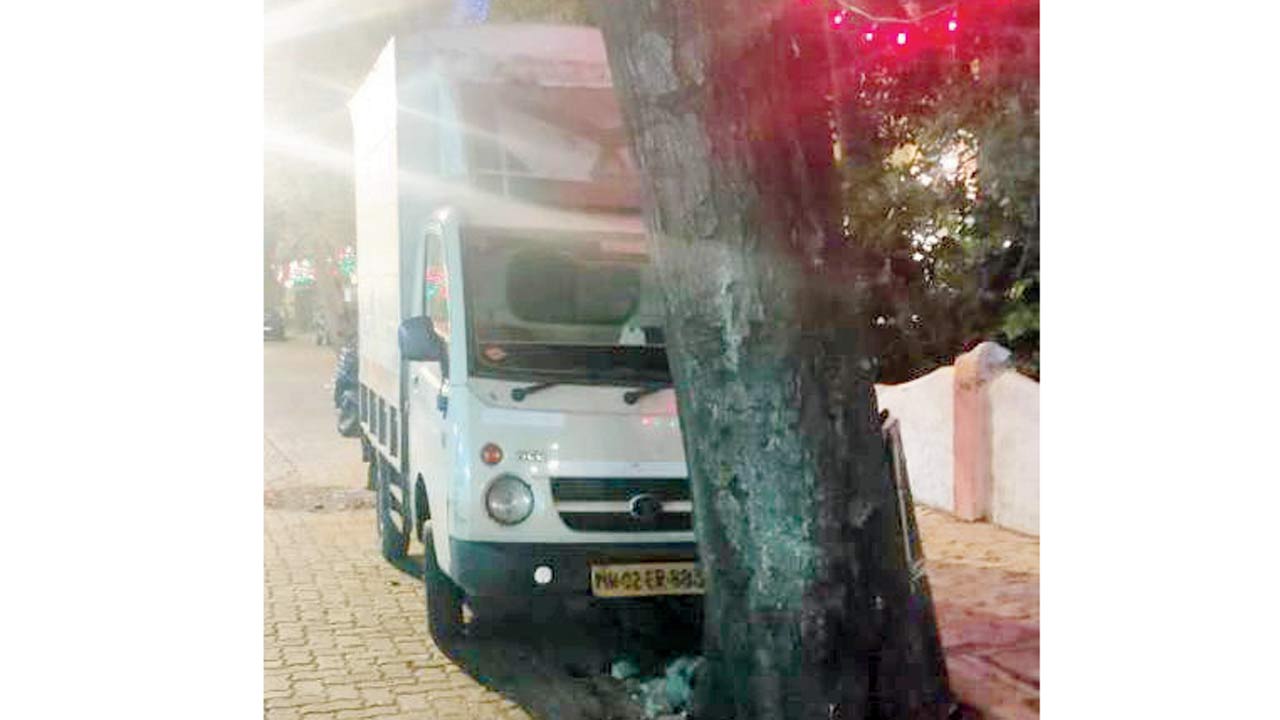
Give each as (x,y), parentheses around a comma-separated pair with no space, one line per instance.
(530,456)
(645,507)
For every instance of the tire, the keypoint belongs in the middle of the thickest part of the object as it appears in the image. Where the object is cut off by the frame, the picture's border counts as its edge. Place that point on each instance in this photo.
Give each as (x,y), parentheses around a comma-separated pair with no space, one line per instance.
(393,527)
(444,598)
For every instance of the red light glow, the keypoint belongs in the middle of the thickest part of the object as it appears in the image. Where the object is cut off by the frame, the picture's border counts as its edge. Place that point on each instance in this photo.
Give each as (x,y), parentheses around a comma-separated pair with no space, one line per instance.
(902,38)
(869,37)
(951,26)
(491,454)
(837,19)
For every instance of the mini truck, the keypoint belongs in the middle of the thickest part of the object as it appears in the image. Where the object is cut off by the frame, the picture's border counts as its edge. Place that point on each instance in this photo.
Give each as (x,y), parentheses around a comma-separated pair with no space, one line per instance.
(515,402)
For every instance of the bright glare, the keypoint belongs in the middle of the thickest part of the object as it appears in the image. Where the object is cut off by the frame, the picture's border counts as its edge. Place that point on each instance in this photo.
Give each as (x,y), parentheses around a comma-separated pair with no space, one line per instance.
(285,142)
(309,18)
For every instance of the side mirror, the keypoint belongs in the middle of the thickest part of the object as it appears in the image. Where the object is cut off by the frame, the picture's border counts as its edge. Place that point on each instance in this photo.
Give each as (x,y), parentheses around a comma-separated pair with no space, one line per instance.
(419,341)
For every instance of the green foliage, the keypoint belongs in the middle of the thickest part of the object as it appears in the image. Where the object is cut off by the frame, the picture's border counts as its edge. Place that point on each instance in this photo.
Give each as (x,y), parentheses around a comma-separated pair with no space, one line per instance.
(1020,319)
(940,152)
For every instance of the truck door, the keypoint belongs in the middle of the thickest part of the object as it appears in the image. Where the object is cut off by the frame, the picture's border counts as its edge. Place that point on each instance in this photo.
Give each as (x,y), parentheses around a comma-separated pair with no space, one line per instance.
(429,385)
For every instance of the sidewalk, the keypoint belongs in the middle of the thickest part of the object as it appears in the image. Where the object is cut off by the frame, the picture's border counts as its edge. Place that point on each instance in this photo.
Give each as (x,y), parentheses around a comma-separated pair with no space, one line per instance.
(986,586)
(345,635)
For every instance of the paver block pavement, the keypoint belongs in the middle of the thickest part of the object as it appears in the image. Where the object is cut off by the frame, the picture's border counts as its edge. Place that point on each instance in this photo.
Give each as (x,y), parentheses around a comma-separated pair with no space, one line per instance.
(323,567)
(986,589)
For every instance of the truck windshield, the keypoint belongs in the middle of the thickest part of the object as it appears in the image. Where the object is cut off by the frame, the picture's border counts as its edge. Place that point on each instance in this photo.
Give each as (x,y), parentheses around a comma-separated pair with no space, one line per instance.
(582,309)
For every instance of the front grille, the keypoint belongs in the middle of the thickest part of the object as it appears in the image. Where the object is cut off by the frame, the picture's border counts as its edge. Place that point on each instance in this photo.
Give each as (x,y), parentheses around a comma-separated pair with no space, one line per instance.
(623,522)
(600,504)
(578,489)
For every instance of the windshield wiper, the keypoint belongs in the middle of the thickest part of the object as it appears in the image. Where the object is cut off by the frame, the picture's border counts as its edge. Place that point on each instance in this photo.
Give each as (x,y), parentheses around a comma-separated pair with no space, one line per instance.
(631,397)
(520,393)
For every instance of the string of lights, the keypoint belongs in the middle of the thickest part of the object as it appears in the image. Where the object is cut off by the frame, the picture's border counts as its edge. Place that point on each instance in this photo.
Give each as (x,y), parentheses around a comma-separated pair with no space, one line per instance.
(850,7)
(938,26)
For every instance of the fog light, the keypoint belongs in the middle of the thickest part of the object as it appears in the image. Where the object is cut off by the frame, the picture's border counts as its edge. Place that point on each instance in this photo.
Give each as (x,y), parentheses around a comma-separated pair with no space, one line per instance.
(542,574)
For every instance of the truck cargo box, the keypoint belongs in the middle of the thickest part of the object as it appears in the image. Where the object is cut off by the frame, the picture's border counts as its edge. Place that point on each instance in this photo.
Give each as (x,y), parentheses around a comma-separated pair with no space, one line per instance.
(513,125)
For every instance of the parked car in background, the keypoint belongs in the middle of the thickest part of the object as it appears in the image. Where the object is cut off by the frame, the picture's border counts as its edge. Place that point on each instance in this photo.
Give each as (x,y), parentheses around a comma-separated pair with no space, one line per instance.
(272,325)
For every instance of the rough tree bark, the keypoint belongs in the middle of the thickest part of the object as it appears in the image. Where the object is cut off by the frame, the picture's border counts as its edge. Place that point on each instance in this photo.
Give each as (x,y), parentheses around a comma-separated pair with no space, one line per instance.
(809,612)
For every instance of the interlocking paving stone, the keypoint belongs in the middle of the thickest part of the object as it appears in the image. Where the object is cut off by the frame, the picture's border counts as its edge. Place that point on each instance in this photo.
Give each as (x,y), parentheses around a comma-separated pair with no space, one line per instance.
(385,666)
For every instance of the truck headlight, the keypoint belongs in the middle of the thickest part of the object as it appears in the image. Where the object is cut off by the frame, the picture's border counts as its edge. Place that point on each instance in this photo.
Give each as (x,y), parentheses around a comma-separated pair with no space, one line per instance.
(508,499)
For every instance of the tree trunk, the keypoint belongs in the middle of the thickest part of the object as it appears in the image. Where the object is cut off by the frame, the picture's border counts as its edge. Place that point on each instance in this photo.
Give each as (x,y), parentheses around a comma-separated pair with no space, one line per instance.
(809,597)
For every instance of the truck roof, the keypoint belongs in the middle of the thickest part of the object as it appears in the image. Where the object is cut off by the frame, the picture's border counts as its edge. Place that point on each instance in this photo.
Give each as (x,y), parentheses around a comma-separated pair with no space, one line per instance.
(548,55)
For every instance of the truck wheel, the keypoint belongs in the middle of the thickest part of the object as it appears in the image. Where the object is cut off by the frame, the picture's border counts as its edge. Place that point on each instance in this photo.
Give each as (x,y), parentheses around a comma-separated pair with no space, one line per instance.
(393,529)
(444,599)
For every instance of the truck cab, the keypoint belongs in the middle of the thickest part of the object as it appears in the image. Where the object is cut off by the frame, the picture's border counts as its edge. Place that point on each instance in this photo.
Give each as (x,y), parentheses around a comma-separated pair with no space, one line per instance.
(515,398)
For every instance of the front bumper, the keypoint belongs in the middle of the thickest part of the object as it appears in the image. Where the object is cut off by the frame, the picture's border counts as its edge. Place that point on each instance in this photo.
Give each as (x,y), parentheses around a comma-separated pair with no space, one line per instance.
(491,569)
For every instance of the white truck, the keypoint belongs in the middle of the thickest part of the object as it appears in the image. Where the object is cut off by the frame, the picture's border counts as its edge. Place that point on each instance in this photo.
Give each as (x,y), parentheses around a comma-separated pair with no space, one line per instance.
(515,401)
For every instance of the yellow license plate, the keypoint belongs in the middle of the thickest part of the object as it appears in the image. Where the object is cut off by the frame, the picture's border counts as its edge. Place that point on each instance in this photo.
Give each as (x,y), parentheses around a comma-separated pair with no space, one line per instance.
(668,578)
